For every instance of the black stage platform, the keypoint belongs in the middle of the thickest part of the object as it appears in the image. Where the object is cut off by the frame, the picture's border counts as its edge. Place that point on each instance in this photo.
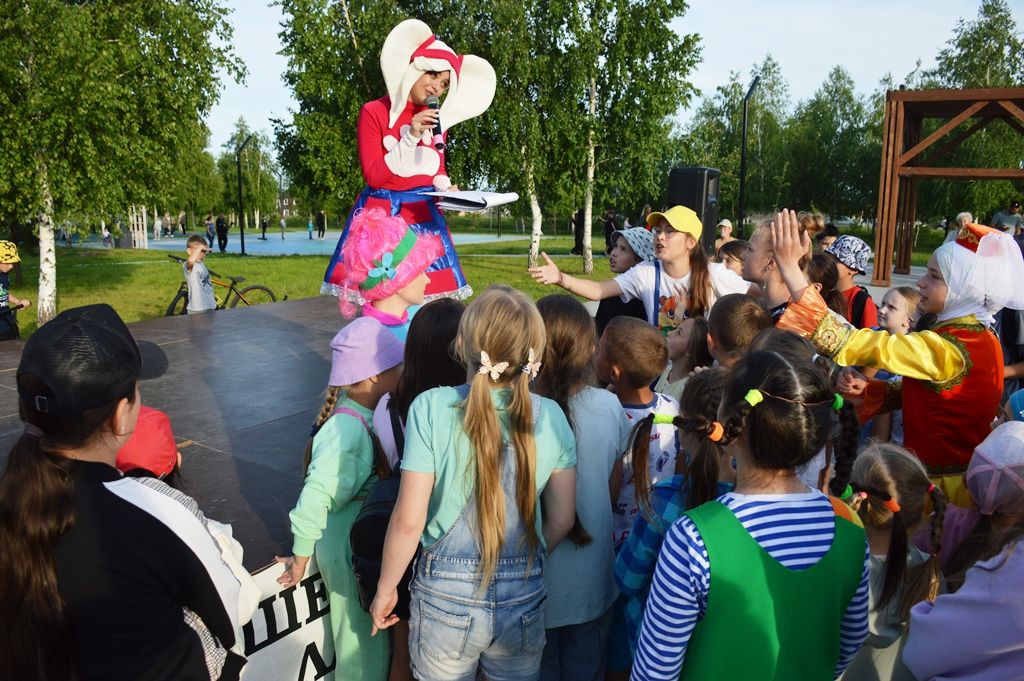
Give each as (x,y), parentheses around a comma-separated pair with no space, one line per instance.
(242,390)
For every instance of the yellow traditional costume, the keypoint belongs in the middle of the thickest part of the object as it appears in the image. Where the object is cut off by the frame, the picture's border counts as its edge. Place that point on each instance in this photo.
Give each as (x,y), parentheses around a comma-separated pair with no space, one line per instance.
(952,373)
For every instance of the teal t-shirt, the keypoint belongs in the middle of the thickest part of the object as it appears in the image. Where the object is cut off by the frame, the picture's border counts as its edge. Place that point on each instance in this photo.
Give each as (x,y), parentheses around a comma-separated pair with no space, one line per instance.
(436,443)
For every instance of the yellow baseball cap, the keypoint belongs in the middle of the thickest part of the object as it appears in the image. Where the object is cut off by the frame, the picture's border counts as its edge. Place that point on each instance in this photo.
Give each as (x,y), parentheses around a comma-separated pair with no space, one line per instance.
(8,253)
(681,218)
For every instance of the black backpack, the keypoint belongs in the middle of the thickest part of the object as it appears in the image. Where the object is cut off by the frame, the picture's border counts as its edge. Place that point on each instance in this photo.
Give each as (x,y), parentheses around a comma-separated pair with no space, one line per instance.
(366,536)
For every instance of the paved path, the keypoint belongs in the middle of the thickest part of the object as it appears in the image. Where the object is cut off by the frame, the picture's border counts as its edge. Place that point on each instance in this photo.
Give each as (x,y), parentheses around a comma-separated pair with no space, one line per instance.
(299,243)
(242,389)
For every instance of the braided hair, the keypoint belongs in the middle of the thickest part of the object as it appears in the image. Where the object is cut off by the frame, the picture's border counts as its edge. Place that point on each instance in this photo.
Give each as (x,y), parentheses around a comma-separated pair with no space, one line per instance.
(800,352)
(891,491)
(698,407)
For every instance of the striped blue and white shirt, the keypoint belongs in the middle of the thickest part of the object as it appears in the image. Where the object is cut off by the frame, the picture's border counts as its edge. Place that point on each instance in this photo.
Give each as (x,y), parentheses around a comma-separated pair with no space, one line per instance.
(795,529)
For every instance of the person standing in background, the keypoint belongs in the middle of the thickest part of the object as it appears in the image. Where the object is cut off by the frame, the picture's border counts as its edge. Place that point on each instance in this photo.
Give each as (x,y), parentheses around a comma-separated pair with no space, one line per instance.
(577,232)
(1009,220)
(321,225)
(222,232)
(210,233)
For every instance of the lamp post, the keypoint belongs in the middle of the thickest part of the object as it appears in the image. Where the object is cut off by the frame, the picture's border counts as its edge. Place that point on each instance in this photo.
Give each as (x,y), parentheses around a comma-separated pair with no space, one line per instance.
(241,205)
(743,156)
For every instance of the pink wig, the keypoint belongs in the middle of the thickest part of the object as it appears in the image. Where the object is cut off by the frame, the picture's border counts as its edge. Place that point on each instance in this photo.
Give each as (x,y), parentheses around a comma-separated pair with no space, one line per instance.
(372,234)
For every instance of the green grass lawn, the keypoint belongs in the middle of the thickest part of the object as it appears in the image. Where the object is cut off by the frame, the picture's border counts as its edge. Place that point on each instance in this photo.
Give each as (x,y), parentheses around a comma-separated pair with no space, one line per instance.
(140,284)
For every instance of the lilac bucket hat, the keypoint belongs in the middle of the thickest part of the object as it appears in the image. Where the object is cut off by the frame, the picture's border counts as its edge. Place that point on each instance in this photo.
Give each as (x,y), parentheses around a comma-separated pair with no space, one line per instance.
(363,348)
(995,476)
(852,252)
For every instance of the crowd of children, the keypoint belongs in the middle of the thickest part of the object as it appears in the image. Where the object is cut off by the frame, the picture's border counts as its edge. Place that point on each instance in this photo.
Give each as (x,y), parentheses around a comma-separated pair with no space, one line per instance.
(743,468)
(634,504)
(568,511)
(760,477)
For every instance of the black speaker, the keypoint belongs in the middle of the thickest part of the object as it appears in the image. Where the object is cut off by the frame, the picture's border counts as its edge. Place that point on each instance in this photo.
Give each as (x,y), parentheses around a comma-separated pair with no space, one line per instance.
(696,188)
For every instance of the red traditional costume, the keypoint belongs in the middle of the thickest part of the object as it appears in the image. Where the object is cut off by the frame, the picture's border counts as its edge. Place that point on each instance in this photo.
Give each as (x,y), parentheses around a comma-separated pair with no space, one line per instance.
(398,167)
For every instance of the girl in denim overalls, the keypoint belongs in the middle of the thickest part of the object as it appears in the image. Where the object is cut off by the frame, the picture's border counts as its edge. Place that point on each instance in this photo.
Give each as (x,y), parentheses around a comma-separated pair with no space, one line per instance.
(479,460)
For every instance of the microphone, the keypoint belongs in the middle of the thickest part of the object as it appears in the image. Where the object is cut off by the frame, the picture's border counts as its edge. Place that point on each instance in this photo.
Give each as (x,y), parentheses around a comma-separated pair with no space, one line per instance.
(432,102)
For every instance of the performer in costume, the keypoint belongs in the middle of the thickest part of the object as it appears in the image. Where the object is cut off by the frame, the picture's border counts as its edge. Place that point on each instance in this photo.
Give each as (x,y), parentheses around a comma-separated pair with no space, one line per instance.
(396,144)
(952,373)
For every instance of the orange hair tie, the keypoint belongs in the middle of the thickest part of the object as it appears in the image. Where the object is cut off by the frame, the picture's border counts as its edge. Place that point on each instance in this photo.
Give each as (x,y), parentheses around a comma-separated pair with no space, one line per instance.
(717,432)
(891,505)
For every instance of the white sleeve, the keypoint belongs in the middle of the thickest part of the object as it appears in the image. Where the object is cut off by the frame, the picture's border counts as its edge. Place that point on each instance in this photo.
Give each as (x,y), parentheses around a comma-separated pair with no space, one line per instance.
(637,282)
(725,281)
(382,426)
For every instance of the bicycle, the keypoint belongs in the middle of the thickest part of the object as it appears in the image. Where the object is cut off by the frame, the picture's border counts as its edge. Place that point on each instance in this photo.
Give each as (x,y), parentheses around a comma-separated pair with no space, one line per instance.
(256,294)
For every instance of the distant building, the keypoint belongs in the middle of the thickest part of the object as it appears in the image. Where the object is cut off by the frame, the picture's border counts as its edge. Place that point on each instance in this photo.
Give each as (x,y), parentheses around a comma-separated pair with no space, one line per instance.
(287,205)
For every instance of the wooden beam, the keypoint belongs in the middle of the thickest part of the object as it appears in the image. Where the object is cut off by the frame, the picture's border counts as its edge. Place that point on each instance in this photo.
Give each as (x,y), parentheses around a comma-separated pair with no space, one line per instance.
(956,141)
(1015,124)
(963,173)
(1014,110)
(883,252)
(941,132)
(971,95)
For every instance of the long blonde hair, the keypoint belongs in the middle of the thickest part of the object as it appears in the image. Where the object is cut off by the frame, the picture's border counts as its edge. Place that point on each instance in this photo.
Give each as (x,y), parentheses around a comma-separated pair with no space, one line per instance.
(506,325)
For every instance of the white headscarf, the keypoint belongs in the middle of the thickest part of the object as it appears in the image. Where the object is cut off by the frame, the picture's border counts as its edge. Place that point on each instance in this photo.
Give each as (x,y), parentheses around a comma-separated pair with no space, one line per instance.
(981,282)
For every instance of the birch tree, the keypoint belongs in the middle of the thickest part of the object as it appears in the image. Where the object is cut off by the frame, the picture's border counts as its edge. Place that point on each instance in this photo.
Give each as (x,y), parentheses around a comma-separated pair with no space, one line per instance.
(635,62)
(93,97)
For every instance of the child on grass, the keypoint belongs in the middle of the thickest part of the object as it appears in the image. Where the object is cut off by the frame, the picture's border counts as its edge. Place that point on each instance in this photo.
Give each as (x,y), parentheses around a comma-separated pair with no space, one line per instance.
(343,460)
(8,259)
(197,276)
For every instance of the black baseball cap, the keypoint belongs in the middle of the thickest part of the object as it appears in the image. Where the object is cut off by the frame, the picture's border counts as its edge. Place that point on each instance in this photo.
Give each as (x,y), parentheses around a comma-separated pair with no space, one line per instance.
(85,358)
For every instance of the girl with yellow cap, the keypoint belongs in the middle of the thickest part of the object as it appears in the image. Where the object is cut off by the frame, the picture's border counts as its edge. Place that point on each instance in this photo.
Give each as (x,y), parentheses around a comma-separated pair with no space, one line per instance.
(679,283)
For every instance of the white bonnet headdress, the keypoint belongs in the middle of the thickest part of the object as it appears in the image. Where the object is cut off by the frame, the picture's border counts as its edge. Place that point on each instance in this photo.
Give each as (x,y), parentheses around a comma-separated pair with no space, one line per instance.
(411,49)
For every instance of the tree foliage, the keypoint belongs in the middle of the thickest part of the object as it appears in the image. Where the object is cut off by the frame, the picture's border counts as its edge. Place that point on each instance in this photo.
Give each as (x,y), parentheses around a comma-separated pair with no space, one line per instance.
(259,174)
(97,100)
(986,52)
(825,152)
(533,138)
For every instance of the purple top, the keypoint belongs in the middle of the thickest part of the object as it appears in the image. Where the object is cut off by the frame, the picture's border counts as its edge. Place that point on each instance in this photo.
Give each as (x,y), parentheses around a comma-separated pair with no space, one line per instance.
(977,633)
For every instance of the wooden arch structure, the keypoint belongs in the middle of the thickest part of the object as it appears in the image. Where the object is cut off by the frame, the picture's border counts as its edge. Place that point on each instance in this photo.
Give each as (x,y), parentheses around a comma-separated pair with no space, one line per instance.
(905,163)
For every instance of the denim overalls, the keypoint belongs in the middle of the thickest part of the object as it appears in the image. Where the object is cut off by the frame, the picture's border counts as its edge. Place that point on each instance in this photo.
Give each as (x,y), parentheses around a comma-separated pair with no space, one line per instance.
(455,626)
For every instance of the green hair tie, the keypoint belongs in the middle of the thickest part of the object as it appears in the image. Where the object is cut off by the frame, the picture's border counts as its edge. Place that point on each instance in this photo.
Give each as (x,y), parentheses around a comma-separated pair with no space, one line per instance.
(666,419)
(754,397)
(847,493)
(837,402)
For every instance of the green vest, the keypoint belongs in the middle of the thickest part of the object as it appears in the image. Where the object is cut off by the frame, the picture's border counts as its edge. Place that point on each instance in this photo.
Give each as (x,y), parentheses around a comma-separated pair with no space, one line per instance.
(765,621)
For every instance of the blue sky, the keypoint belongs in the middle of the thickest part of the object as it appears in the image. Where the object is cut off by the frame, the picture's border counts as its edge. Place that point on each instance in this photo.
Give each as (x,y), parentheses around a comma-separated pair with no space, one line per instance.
(807,37)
